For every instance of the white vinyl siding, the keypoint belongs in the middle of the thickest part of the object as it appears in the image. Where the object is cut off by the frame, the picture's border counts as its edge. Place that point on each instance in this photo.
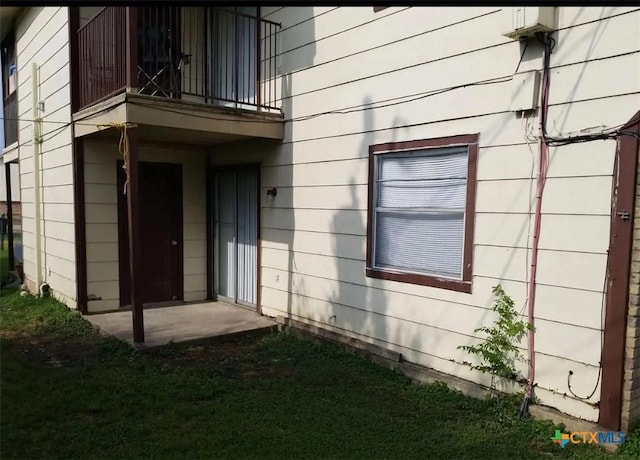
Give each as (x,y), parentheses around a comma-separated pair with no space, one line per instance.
(42,38)
(420,200)
(314,232)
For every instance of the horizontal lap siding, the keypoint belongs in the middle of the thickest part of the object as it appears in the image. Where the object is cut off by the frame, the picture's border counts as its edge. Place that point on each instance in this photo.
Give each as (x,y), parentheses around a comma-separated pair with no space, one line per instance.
(15,185)
(313,231)
(43,38)
(101,209)
(101,217)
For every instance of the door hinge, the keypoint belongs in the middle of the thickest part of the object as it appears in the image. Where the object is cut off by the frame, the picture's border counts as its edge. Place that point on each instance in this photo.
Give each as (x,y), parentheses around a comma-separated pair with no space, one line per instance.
(624,215)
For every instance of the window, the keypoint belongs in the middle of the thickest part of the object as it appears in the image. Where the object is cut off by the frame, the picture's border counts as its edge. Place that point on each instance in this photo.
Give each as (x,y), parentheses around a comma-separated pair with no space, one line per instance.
(9,89)
(421,211)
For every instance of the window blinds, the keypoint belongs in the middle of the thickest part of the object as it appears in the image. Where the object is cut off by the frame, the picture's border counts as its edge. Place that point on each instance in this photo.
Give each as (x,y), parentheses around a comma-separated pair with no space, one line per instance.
(420,201)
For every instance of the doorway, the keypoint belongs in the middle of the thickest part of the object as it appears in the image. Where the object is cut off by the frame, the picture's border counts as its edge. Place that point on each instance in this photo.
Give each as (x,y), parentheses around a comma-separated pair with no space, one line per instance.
(233,64)
(160,190)
(235,234)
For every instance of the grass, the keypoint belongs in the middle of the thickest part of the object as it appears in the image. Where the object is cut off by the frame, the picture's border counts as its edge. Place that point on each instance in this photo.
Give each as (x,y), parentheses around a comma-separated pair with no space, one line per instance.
(4,263)
(68,392)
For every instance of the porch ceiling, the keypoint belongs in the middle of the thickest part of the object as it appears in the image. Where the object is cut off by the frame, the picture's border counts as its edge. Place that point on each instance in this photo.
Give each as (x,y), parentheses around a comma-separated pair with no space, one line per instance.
(176,121)
(8,14)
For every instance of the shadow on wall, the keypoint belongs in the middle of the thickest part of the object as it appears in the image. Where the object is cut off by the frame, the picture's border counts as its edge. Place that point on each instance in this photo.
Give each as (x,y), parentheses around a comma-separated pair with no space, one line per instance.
(348,229)
(296,51)
(355,307)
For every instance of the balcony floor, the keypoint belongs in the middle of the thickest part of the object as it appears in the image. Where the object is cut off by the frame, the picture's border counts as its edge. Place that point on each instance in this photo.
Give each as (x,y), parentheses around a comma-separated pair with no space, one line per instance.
(170,120)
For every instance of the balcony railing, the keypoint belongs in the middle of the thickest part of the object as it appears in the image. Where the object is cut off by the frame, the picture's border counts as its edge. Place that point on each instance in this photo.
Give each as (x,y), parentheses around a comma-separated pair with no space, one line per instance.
(10,120)
(210,55)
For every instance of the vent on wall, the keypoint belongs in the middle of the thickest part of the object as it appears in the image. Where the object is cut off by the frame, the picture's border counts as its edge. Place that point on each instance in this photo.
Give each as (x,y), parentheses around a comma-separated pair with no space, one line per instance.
(519,22)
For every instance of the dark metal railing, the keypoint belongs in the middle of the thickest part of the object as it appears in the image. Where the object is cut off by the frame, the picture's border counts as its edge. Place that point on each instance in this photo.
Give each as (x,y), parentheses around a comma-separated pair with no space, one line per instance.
(211,55)
(10,120)
(102,54)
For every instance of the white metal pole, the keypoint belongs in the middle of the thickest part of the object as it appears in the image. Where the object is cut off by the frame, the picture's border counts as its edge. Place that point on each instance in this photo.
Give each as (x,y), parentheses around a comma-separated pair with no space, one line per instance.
(36,174)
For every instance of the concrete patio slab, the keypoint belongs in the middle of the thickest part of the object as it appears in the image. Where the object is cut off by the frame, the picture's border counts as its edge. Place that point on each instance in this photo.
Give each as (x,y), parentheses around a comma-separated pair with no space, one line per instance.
(183,323)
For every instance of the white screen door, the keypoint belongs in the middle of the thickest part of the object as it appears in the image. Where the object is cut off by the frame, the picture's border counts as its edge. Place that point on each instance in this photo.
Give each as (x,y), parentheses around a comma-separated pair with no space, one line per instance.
(236,236)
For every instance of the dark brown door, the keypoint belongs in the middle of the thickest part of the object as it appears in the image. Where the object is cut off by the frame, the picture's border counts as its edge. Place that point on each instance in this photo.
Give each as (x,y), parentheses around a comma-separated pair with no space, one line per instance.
(618,274)
(161,226)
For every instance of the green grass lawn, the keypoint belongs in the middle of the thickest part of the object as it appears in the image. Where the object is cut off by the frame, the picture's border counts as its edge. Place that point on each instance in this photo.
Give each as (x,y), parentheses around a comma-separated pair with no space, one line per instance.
(68,392)
(4,257)
(4,263)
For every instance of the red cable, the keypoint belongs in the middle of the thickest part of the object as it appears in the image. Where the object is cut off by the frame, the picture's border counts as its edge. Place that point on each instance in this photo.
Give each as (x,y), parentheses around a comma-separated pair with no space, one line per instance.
(542,178)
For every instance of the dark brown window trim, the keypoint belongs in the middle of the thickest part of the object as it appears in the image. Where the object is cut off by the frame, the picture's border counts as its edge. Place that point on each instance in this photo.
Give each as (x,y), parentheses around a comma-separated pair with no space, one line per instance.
(379,8)
(464,285)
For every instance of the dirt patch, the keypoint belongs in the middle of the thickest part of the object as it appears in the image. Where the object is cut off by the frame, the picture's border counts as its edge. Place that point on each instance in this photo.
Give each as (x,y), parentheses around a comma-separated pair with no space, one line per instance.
(232,359)
(54,352)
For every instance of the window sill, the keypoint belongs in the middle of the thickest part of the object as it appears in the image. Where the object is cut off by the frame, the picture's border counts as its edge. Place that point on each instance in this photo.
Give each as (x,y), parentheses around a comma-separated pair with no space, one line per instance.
(10,153)
(422,280)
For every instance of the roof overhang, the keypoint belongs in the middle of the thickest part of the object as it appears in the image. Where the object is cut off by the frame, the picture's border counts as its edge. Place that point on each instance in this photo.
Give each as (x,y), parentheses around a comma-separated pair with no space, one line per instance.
(8,15)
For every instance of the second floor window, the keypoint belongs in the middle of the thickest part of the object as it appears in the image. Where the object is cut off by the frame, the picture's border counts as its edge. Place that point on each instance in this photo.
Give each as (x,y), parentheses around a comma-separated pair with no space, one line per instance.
(9,90)
(9,69)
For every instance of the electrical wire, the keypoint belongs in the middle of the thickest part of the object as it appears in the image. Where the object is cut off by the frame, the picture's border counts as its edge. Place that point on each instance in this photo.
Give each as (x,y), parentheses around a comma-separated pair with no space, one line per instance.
(527,120)
(545,142)
(602,304)
(607,274)
(611,133)
(342,111)
(549,44)
(414,97)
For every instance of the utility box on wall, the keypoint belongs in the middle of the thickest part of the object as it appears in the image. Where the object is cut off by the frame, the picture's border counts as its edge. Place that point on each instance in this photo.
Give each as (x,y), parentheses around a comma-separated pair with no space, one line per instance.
(520,22)
(525,87)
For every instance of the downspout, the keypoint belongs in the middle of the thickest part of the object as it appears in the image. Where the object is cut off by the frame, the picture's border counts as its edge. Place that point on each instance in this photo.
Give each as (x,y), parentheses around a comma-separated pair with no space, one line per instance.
(37,147)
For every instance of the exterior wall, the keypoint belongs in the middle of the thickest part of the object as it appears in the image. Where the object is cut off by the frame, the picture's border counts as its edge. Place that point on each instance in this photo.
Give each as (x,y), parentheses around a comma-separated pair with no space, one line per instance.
(16,206)
(313,231)
(631,387)
(101,212)
(15,183)
(42,37)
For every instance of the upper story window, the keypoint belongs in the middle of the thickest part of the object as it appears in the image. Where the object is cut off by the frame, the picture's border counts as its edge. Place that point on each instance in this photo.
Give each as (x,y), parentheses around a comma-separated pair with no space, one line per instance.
(9,69)
(9,89)
(421,211)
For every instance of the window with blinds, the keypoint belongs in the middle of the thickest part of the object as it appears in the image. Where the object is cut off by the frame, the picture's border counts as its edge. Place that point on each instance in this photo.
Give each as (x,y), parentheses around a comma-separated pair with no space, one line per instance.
(418,211)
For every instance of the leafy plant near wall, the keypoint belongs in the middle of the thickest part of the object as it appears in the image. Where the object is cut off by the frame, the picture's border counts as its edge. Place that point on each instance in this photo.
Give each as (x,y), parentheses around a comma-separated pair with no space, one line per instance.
(498,352)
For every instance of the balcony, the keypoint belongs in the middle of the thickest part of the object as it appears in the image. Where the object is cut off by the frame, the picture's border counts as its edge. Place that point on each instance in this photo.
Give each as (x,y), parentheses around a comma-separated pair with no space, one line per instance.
(10,120)
(186,58)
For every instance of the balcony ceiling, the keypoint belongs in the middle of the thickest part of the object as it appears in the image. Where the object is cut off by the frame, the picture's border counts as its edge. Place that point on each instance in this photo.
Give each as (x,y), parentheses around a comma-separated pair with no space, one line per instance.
(8,14)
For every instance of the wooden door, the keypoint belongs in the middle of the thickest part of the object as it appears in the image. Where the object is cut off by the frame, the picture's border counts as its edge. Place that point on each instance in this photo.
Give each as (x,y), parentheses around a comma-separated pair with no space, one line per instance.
(161,227)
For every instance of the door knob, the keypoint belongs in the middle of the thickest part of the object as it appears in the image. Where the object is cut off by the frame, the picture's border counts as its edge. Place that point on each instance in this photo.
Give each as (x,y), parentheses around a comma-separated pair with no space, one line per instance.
(174,243)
